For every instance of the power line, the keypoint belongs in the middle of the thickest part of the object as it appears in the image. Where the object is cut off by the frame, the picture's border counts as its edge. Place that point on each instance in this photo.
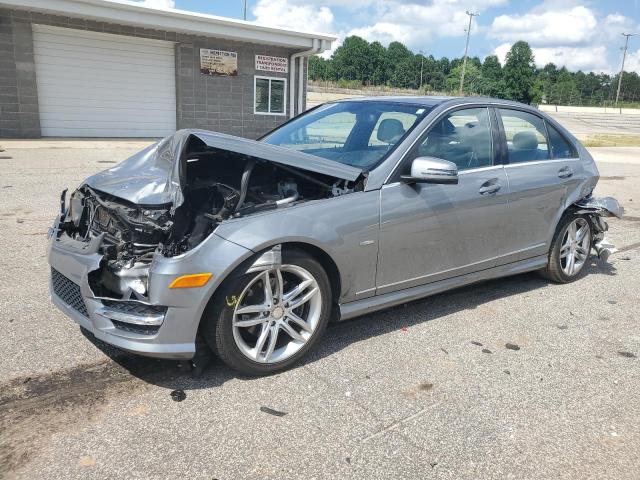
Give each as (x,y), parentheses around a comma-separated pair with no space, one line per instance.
(466,49)
(624,57)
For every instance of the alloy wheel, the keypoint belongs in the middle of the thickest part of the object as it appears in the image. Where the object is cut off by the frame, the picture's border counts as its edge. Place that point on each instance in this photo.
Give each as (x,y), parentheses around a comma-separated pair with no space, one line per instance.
(277,313)
(576,243)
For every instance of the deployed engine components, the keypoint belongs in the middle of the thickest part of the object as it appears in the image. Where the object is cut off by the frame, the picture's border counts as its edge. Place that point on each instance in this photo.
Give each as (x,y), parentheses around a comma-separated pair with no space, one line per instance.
(596,208)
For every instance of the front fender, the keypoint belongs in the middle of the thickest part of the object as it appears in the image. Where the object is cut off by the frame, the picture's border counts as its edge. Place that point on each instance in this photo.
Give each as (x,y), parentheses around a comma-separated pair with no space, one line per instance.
(345,228)
(215,255)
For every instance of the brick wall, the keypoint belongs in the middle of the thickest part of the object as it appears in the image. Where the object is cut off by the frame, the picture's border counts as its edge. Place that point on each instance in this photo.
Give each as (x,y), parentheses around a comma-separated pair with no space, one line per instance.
(223,104)
(18,94)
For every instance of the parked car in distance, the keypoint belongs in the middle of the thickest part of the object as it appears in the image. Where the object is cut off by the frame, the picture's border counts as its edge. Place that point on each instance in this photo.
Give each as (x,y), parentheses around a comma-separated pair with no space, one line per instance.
(351,207)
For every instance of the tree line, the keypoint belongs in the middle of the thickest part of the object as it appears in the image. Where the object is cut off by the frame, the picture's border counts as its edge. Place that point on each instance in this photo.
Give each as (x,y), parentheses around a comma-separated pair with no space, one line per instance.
(358,63)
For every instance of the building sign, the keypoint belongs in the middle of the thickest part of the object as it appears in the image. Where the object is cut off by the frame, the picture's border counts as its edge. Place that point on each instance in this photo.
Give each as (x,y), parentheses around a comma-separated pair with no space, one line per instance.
(272,64)
(218,62)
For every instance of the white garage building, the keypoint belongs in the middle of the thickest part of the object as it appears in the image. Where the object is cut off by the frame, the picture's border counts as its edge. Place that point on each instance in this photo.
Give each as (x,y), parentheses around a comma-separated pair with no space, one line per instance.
(99,84)
(114,68)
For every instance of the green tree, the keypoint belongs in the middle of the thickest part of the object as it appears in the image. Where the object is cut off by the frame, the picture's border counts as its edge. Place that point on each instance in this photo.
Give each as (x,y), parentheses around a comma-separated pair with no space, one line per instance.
(378,64)
(563,90)
(319,68)
(372,64)
(472,79)
(519,73)
(350,61)
(491,84)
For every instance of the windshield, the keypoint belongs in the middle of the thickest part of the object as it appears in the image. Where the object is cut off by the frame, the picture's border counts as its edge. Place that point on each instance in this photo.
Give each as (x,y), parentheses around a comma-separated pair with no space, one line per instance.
(358,133)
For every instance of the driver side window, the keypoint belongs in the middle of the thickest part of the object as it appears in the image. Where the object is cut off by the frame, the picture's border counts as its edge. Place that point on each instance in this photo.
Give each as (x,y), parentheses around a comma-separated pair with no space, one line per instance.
(462,137)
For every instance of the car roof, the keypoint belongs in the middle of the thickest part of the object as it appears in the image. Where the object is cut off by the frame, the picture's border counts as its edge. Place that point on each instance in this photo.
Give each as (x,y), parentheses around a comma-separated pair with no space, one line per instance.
(432,101)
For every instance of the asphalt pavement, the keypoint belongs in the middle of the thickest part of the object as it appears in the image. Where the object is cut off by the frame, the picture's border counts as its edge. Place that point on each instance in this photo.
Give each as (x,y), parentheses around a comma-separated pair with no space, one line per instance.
(512,378)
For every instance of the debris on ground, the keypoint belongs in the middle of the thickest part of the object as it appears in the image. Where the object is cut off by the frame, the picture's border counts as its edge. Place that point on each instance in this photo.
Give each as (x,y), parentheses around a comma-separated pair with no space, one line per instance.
(627,354)
(512,346)
(178,395)
(271,411)
(425,386)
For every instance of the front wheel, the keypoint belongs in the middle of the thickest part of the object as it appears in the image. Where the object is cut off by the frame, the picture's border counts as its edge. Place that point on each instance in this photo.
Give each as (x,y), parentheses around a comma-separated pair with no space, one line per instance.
(264,322)
(570,249)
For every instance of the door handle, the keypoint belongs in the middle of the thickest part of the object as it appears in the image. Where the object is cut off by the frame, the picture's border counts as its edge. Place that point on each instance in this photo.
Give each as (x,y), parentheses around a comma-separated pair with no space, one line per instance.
(565,172)
(488,189)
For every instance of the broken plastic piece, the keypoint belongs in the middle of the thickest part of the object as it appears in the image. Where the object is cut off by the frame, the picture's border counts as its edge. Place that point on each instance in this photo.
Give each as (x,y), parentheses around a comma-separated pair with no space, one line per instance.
(268,260)
(604,249)
(607,206)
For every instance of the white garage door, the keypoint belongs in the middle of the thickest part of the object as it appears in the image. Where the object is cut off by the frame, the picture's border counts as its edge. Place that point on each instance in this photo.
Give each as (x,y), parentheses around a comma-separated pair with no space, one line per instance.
(103,85)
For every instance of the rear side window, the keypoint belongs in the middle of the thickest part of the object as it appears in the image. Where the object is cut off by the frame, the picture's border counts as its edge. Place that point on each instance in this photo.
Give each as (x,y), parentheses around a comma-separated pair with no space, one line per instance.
(462,137)
(560,147)
(526,136)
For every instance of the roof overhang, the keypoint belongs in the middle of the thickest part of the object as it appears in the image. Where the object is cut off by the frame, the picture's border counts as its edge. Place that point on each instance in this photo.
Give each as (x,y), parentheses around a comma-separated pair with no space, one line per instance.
(129,12)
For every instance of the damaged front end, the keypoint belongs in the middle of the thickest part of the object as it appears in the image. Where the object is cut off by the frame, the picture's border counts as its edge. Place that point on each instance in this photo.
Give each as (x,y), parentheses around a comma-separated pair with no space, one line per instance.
(169,198)
(596,208)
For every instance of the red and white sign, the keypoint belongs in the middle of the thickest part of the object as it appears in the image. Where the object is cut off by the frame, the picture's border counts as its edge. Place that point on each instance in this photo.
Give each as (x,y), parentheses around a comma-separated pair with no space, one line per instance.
(266,63)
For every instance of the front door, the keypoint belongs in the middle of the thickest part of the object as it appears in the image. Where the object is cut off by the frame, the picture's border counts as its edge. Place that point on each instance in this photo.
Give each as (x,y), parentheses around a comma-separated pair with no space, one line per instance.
(431,232)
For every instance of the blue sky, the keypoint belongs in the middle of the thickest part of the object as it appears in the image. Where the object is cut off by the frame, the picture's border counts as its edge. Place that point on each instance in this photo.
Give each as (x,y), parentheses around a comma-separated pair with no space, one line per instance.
(577,34)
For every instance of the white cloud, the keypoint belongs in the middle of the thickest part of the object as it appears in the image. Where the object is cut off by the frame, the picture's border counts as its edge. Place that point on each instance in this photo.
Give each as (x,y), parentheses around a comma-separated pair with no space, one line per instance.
(566,34)
(575,26)
(574,58)
(414,24)
(162,4)
(632,63)
(501,52)
(283,13)
(383,32)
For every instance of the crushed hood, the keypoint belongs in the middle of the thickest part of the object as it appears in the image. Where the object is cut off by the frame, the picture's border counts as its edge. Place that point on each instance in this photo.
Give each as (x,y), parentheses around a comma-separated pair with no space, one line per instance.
(152,176)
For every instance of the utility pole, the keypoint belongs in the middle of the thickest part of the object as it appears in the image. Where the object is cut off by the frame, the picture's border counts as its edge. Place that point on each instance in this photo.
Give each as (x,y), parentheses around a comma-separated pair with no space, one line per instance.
(466,49)
(245,9)
(421,67)
(624,57)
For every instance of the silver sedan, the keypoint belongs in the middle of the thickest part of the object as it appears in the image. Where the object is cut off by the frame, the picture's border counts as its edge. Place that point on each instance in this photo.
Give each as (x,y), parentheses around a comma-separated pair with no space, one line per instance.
(249,248)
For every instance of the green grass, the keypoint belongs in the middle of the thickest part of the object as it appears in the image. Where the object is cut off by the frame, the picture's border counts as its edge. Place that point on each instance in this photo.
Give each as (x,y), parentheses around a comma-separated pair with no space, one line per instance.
(605,140)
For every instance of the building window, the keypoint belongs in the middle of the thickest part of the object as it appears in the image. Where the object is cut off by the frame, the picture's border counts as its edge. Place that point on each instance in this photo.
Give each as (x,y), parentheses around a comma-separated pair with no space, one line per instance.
(270,96)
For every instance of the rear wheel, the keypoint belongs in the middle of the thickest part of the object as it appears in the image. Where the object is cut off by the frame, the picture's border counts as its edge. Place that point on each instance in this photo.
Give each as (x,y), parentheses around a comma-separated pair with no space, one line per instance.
(263,322)
(570,249)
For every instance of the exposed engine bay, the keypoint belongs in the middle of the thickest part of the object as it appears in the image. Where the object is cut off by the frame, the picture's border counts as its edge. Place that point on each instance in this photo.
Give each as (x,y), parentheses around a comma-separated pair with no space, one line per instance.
(215,185)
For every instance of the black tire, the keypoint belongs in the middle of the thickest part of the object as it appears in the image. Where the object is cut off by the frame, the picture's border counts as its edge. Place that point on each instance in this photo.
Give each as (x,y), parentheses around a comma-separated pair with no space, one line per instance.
(217,320)
(553,270)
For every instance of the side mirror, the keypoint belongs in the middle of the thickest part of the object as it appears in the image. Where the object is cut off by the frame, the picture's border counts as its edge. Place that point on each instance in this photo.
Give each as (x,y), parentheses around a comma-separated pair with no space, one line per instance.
(432,170)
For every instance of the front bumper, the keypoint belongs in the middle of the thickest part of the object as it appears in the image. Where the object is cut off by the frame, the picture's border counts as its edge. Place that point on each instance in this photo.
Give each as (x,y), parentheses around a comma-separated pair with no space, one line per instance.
(171,330)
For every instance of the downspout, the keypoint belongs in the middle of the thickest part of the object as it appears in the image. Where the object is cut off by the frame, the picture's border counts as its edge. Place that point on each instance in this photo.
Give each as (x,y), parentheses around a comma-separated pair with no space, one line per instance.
(317,48)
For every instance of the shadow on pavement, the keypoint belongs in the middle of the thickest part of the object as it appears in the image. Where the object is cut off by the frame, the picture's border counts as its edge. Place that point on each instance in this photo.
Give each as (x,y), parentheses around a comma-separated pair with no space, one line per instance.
(176,375)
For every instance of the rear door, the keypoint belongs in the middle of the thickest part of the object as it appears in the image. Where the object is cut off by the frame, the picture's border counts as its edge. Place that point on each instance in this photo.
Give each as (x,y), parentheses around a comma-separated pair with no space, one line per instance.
(431,232)
(541,167)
